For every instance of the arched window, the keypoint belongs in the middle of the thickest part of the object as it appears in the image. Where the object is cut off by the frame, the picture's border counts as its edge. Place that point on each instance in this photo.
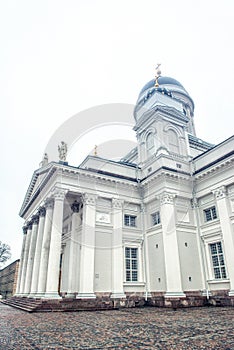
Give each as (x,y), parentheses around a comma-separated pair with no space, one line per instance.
(150,144)
(173,142)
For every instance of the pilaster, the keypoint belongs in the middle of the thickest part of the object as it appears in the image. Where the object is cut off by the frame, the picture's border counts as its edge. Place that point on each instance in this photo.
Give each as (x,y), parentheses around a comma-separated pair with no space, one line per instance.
(86,285)
(228,238)
(171,252)
(117,249)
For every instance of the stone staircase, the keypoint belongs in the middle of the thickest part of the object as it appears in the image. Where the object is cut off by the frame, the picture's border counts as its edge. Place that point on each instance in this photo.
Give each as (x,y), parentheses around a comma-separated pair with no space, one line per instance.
(23,303)
(51,305)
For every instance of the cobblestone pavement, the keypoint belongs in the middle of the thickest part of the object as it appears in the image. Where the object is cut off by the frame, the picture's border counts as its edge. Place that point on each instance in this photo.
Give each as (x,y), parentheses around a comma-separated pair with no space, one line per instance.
(139,328)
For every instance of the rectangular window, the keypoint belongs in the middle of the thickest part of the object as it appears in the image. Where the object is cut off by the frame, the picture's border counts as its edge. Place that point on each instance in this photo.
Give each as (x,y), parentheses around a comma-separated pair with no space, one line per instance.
(130,220)
(156,218)
(210,214)
(218,260)
(131,264)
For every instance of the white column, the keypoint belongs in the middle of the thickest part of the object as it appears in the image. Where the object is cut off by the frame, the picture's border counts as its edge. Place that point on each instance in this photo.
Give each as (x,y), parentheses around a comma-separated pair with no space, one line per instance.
(31,254)
(42,274)
(170,244)
(228,237)
(37,256)
(25,261)
(117,250)
(73,252)
(86,286)
(55,246)
(22,257)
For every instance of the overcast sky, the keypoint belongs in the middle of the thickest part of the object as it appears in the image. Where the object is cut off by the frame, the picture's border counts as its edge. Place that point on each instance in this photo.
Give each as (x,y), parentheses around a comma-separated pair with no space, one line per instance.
(59,58)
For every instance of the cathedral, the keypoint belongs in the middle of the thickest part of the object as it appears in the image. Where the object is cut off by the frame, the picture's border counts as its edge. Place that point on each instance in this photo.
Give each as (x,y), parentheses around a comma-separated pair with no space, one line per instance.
(155,227)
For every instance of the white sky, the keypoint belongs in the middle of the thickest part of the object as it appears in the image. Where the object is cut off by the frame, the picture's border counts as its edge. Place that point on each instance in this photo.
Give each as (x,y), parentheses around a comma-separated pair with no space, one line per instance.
(61,57)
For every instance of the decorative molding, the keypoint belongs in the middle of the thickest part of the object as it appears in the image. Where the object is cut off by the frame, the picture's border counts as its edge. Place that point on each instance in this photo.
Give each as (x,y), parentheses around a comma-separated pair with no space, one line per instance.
(75,207)
(117,203)
(177,130)
(220,192)
(103,217)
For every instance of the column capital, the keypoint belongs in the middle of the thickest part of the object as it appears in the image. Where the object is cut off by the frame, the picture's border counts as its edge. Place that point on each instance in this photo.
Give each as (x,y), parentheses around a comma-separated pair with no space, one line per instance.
(58,194)
(25,229)
(42,211)
(75,207)
(117,203)
(29,225)
(166,198)
(35,219)
(220,192)
(49,204)
(89,199)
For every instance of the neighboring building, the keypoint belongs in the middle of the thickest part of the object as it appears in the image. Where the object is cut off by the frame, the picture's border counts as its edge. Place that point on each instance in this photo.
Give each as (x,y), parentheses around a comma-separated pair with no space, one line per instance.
(8,279)
(156,225)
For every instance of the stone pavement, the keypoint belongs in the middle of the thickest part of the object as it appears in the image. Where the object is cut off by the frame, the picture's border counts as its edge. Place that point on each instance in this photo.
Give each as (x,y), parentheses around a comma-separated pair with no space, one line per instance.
(138,328)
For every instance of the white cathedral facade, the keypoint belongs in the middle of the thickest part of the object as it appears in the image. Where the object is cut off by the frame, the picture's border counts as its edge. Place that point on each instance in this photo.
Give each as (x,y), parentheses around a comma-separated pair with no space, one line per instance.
(156,226)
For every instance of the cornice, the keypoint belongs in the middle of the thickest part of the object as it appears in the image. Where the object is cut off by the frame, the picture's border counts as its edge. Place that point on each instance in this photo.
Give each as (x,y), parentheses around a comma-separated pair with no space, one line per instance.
(212,168)
(166,172)
(104,177)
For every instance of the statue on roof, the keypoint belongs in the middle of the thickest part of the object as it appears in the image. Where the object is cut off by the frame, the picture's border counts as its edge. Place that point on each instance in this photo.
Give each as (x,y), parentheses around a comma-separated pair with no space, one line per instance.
(62,151)
(44,160)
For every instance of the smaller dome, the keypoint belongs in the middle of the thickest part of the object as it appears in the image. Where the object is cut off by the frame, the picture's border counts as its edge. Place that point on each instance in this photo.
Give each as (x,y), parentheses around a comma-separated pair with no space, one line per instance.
(161,81)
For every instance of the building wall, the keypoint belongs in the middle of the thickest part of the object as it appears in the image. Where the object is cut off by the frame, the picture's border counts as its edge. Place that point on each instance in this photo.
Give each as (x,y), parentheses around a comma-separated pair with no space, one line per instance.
(8,279)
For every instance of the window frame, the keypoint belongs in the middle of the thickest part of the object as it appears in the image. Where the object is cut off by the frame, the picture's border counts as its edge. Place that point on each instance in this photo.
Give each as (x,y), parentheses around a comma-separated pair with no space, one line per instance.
(130,219)
(217,259)
(131,260)
(210,214)
(157,220)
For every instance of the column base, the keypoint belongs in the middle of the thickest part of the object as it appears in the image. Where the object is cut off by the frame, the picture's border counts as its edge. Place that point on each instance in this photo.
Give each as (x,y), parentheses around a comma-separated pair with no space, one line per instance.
(175,295)
(231,293)
(51,295)
(39,295)
(70,295)
(23,295)
(31,295)
(86,296)
(118,295)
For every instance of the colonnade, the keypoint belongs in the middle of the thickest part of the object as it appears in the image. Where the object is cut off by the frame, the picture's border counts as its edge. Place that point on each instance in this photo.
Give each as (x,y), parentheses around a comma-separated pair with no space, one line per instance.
(42,244)
(39,265)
